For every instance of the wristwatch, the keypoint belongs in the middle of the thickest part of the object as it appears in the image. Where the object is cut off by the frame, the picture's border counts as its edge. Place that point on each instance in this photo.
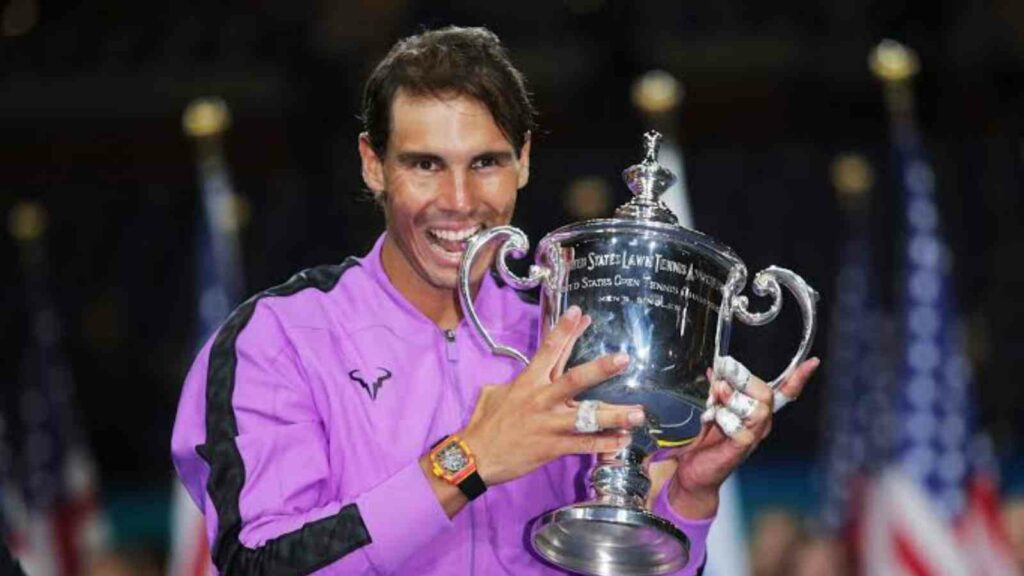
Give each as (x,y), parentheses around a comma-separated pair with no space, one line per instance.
(453,462)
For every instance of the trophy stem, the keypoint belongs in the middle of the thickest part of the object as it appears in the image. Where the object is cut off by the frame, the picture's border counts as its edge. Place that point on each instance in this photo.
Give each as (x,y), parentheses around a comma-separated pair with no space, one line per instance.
(614,534)
(620,478)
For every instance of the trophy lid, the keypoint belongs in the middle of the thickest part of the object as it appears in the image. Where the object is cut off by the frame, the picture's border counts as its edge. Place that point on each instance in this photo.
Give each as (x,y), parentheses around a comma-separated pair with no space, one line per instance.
(645,215)
(648,180)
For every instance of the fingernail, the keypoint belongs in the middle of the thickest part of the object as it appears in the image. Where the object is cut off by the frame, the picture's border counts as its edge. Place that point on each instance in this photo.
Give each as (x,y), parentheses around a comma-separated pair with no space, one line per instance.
(573,312)
(636,417)
(620,359)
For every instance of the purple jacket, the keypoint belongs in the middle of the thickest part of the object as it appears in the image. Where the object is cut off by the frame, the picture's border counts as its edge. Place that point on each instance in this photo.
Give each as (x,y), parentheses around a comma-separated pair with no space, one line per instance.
(301,423)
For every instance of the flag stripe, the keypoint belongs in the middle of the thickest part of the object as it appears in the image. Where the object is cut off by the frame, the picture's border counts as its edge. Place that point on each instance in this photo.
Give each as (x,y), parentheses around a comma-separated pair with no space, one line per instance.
(201,553)
(907,555)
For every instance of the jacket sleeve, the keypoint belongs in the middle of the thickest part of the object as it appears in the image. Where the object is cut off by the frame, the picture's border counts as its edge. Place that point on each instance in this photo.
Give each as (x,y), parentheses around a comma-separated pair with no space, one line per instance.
(695,530)
(249,444)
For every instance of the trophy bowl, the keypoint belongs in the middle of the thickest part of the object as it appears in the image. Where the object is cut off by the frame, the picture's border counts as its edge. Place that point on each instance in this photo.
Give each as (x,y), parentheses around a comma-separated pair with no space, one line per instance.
(666,296)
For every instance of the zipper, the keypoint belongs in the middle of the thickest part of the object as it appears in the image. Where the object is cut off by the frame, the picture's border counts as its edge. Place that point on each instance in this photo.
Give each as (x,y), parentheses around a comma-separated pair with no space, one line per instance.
(451,353)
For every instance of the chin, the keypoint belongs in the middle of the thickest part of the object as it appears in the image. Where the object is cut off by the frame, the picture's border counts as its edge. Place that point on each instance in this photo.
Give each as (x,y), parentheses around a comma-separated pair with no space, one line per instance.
(449,280)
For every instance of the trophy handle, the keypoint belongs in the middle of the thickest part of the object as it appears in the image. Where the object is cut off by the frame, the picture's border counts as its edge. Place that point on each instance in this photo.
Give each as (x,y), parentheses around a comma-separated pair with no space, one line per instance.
(516,245)
(766,283)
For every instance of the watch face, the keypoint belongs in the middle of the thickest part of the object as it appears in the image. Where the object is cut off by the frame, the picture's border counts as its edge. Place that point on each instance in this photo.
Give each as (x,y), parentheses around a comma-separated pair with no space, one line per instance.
(452,458)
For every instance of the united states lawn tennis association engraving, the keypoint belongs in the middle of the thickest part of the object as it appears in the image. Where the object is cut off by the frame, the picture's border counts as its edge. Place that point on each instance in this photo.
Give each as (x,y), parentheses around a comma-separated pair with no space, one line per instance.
(598,271)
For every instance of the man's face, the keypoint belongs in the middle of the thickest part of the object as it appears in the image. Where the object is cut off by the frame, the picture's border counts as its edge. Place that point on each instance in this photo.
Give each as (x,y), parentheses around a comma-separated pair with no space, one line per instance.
(448,173)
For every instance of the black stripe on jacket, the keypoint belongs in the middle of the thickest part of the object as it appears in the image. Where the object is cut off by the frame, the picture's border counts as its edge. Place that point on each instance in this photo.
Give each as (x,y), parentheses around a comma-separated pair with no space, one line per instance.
(307,549)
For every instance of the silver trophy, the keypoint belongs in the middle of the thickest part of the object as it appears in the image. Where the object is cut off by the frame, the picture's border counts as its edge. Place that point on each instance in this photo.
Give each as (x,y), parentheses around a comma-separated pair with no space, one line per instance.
(666,295)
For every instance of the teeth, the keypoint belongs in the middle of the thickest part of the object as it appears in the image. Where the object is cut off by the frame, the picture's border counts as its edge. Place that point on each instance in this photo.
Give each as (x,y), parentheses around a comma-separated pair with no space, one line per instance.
(455,235)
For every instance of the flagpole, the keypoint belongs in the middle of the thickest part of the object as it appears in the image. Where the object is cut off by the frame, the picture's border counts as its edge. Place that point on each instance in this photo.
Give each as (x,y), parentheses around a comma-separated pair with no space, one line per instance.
(35,542)
(223,214)
(896,66)
(845,443)
(219,286)
(206,120)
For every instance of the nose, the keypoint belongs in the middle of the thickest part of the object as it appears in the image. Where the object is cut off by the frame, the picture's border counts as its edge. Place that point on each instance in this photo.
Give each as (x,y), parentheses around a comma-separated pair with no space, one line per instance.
(458,193)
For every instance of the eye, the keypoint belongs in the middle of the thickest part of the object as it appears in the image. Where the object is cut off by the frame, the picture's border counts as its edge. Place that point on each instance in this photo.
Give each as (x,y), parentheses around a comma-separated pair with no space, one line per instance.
(425,164)
(485,162)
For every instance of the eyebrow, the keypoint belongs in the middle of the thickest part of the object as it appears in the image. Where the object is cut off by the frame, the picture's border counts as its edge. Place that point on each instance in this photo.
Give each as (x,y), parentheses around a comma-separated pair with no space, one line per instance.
(498,155)
(414,157)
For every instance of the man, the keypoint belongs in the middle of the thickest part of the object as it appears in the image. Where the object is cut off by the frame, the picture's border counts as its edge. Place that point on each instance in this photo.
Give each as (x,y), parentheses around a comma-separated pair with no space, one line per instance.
(306,426)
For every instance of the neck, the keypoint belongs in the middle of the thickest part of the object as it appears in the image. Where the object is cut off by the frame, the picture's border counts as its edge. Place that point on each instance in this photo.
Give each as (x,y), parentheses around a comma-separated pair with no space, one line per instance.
(440,304)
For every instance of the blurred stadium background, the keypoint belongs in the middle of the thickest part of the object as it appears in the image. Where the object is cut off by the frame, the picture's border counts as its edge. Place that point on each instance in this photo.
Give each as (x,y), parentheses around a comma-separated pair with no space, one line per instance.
(91,101)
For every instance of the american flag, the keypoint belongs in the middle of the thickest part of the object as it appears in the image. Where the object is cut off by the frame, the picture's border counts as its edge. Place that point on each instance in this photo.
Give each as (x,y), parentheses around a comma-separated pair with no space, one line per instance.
(917,504)
(219,287)
(52,519)
(860,375)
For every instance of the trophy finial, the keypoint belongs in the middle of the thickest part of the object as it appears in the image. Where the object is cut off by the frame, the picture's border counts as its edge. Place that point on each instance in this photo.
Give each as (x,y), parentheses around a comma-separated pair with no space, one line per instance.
(652,143)
(648,180)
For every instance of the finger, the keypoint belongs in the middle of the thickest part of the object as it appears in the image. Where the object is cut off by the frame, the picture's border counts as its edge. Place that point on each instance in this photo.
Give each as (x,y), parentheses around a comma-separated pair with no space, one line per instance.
(732,371)
(581,377)
(759,390)
(731,425)
(713,402)
(551,347)
(710,434)
(596,443)
(790,389)
(751,412)
(756,416)
(779,400)
(740,378)
(563,358)
(609,417)
(711,397)
(744,406)
(720,392)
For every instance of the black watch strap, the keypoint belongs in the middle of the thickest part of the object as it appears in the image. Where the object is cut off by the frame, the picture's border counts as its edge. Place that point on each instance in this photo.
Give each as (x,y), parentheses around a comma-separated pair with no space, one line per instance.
(472,486)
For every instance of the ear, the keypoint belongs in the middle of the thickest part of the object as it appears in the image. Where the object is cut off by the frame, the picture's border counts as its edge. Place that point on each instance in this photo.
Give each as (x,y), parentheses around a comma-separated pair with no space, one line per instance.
(524,162)
(373,165)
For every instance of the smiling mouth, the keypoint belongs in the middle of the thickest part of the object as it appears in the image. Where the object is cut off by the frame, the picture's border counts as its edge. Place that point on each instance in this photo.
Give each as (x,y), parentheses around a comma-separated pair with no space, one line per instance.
(452,243)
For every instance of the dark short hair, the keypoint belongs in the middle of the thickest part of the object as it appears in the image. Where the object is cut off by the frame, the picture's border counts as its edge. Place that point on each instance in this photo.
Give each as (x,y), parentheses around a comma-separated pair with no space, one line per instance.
(464,61)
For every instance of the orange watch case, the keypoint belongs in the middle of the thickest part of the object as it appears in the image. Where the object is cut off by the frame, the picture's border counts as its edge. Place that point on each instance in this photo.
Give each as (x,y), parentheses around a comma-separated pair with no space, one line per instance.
(448,454)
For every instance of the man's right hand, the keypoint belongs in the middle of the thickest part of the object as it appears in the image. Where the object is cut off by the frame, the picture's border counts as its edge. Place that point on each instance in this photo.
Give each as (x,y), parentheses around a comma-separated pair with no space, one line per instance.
(520,426)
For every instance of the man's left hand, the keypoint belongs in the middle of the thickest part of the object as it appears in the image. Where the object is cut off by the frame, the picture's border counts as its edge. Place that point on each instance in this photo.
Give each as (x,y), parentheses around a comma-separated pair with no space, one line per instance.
(738,419)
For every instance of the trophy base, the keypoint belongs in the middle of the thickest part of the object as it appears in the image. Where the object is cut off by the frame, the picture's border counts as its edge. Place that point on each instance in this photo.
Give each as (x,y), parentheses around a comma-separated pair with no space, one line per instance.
(607,540)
